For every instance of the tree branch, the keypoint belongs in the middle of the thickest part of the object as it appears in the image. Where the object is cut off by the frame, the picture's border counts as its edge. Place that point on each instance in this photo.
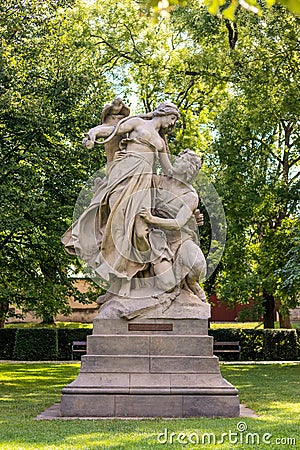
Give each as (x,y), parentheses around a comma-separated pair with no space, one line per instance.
(294,161)
(119,52)
(132,39)
(7,239)
(294,177)
(232,33)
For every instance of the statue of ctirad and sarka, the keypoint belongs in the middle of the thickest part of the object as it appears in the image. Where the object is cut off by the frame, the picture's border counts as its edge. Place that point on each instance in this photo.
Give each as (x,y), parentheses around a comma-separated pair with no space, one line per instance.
(139,232)
(150,354)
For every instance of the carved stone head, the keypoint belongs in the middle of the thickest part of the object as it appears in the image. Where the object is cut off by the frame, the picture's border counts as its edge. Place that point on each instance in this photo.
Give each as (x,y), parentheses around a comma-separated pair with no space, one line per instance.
(187,165)
(166,108)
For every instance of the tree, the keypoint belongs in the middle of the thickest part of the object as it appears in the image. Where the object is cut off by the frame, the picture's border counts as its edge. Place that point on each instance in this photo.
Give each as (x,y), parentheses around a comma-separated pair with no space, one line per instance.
(70,59)
(258,146)
(255,158)
(47,98)
(221,7)
(289,274)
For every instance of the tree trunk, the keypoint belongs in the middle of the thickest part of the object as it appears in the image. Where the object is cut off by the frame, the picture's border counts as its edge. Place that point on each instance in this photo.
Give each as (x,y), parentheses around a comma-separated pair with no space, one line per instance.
(4,307)
(284,321)
(2,323)
(284,316)
(269,305)
(48,320)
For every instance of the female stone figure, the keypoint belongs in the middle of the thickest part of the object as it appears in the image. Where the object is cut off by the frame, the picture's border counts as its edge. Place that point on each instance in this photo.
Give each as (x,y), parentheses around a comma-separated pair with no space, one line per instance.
(110,235)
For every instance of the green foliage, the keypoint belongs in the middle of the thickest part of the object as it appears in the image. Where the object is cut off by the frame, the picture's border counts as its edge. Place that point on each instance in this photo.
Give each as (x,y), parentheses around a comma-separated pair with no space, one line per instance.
(36,344)
(260,345)
(57,74)
(65,339)
(237,87)
(289,274)
(252,314)
(49,344)
(252,343)
(225,335)
(47,99)
(254,6)
(7,342)
(222,7)
(31,344)
(258,149)
(298,336)
(280,345)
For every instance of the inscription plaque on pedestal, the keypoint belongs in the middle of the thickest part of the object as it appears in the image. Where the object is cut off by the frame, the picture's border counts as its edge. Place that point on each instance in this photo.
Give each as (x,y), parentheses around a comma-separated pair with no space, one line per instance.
(150,327)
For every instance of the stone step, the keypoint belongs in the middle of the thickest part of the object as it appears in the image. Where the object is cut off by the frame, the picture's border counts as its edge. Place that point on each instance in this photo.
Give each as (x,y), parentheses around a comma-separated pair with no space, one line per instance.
(149,364)
(158,345)
(147,405)
(87,382)
(150,326)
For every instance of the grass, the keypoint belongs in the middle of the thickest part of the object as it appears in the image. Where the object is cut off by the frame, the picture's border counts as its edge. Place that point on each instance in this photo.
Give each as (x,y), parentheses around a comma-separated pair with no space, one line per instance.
(243,325)
(246,325)
(42,325)
(271,390)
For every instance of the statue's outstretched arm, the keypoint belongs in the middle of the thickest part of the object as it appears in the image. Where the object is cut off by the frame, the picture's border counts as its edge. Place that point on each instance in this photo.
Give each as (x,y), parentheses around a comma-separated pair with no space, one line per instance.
(165,162)
(99,131)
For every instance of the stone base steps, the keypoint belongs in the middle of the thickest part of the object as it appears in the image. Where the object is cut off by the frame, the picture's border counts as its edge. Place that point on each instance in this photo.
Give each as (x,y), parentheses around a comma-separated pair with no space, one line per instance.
(142,371)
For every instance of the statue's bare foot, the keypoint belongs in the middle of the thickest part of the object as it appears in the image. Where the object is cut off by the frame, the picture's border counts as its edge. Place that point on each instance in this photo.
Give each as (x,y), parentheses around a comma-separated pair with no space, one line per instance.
(196,289)
(103,298)
(125,288)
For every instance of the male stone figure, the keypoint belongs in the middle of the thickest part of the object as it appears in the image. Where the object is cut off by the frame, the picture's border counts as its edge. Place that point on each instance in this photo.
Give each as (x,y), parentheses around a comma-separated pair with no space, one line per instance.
(182,263)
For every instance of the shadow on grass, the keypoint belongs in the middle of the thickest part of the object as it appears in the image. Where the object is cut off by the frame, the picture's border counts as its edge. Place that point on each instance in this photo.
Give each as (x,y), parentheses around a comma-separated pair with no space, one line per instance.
(265,383)
(27,390)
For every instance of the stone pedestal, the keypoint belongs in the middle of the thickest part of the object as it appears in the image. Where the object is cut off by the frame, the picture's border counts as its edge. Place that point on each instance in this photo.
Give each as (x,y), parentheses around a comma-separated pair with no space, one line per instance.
(150,366)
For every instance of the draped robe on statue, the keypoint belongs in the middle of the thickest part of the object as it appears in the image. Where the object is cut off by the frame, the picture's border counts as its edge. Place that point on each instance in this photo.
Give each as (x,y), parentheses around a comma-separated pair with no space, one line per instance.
(105,234)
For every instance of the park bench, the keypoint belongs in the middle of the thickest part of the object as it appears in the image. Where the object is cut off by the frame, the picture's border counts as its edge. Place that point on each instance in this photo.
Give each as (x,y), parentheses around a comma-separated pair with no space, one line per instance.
(227,347)
(219,348)
(78,347)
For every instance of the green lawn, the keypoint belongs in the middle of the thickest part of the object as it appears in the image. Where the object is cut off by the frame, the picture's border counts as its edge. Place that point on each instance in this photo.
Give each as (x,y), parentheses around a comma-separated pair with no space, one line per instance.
(56,325)
(90,325)
(245,325)
(272,390)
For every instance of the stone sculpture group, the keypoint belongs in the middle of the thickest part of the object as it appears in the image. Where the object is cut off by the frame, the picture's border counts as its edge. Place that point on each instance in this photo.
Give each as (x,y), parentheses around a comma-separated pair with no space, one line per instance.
(150,354)
(139,232)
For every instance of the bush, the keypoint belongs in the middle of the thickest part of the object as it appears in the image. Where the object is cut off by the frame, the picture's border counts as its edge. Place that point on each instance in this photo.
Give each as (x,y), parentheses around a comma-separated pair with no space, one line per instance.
(280,345)
(298,341)
(7,342)
(252,345)
(65,338)
(261,345)
(36,344)
(225,334)
(51,344)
